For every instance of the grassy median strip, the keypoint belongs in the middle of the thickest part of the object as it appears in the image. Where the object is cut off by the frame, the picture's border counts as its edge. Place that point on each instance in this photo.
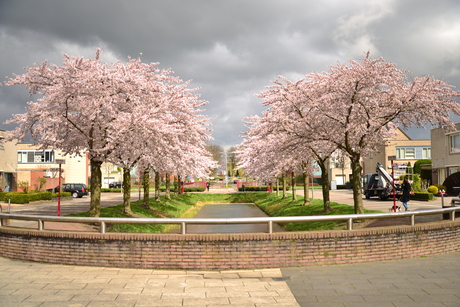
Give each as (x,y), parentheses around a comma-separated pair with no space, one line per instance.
(187,206)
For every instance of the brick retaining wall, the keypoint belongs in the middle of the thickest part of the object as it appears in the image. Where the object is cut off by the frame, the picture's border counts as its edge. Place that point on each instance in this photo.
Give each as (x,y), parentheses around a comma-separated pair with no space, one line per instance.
(230,251)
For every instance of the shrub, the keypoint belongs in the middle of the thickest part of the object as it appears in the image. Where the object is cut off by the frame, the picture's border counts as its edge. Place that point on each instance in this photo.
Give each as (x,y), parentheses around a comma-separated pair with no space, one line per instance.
(63,194)
(255,189)
(2,196)
(106,190)
(17,198)
(40,183)
(440,187)
(21,198)
(194,189)
(416,184)
(422,196)
(24,186)
(39,196)
(418,163)
(433,190)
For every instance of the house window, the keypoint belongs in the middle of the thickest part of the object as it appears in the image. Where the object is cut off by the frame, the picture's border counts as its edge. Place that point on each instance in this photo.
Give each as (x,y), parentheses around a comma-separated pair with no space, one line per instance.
(426,153)
(452,170)
(36,156)
(455,143)
(405,153)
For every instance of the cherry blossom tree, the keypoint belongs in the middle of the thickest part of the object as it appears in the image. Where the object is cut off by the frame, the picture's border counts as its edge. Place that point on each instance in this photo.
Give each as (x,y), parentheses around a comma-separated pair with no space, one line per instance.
(115,112)
(356,106)
(268,153)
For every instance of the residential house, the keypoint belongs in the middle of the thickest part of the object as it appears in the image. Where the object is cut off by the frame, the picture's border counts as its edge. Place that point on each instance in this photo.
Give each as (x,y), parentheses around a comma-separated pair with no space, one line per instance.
(8,164)
(403,149)
(33,163)
(446,154)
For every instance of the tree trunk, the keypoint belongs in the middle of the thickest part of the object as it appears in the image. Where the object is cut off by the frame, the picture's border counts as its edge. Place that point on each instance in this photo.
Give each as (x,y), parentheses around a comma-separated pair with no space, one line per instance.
(180,183)
(306,196)
(157,186)
(127,191)
(146,187)
(168,186)
(294,194)
(356,170)
(284,186)
(96,182)
(277,187)
(325,184)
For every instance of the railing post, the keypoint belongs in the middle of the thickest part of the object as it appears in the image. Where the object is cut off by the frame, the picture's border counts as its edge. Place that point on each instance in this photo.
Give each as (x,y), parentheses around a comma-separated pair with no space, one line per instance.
(183,227)
(270,226)
(412,220)
(452,215)
(103,227)
(350,224)
(41,225)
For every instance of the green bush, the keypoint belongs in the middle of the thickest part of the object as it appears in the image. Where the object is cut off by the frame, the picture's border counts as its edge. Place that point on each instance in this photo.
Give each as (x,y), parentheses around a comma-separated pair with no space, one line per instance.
(433,190)
(189,189)
(417,166)
(63,194)
(255,189)
(416,183)
(2,196)
(17,198)
(422,196)
(110,190)
(39,196)
(22,198)
(440,187)
(194,189)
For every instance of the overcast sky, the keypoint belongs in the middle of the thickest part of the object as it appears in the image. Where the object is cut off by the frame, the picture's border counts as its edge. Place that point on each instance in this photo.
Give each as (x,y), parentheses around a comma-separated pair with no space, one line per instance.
(230,49)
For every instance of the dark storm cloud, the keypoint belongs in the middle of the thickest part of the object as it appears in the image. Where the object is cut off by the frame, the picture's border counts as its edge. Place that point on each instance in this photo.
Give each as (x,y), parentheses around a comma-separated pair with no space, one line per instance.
(231,49)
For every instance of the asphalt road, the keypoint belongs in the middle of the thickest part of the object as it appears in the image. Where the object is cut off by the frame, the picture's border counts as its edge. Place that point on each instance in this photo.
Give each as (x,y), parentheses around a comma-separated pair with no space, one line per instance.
(68,205)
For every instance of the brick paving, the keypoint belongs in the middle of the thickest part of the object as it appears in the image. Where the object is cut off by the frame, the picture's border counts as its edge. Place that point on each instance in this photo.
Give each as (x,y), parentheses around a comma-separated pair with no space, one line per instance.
(430,281)
(36,284)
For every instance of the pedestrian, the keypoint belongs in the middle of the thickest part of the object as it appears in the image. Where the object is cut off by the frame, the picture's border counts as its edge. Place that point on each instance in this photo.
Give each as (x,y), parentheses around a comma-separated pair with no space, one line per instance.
(405,197)
(208,185)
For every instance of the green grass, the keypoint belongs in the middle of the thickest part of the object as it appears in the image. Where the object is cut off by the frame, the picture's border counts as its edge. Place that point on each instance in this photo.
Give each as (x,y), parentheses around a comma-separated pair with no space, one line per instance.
(188,204)
(276,206)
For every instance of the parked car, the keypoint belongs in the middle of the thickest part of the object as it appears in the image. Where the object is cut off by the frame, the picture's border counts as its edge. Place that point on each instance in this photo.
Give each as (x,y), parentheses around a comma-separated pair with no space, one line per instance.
(76,189)
(115,185)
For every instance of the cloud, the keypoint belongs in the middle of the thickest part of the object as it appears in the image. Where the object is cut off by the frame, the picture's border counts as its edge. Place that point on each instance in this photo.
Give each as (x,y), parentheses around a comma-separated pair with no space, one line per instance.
(230,49)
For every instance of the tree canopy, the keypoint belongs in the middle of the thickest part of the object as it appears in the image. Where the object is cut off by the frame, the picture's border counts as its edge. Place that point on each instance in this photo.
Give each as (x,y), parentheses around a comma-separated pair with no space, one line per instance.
(353,107)
(127,113)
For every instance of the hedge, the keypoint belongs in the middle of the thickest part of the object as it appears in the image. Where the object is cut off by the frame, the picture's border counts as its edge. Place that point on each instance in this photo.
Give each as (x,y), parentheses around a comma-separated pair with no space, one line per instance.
(21,198)
(63,194)
(110,190)
(189,189)
(422,196)
(254,189)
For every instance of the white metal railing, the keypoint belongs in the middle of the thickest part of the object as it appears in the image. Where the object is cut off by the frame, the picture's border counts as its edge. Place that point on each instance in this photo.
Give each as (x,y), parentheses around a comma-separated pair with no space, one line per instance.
(183,222)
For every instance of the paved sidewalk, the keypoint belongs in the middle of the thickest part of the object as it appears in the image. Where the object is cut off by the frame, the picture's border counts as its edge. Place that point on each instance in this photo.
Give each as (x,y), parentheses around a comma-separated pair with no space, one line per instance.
(431,281)
(36,284)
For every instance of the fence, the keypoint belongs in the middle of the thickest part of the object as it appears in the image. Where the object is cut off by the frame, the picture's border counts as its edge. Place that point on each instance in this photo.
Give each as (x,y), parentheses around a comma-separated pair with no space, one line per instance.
(183,222)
